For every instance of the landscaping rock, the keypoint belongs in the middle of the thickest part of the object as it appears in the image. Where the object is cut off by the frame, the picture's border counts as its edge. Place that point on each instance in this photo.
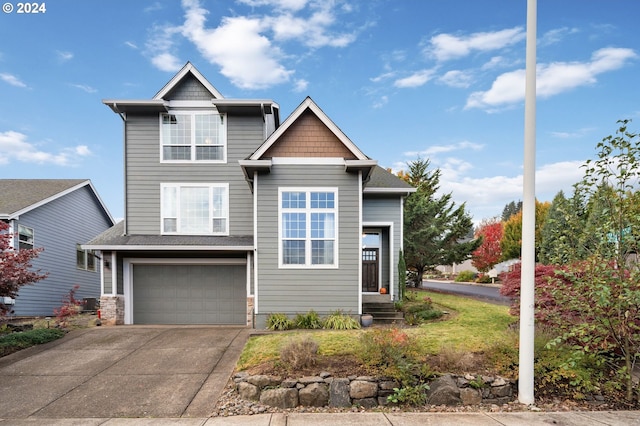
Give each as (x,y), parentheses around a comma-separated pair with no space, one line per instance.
(281,398)
(314,395)
(443,391)
(289,383)
(366,402)
(470,396)
(262,381)
(311,379)
(339,393)
(363,389)
(501,391)
(248,391)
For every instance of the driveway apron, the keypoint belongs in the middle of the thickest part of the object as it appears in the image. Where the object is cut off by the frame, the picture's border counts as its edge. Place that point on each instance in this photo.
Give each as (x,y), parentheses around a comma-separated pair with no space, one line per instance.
(124,371)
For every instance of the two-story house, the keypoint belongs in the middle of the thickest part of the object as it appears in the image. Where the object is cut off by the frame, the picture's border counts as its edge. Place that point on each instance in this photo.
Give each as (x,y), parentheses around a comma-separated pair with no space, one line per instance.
(231,215)
(56,215)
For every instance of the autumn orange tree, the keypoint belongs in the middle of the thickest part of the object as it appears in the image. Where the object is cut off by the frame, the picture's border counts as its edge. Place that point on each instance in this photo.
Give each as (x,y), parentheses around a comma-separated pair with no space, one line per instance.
(15,266)
(489,253)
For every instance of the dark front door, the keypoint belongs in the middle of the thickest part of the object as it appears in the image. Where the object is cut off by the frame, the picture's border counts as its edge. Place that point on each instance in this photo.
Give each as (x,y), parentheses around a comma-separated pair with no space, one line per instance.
(370,259)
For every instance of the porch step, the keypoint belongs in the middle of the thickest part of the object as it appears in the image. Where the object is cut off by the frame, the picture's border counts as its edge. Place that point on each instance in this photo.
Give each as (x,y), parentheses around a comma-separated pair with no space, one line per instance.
(382,312)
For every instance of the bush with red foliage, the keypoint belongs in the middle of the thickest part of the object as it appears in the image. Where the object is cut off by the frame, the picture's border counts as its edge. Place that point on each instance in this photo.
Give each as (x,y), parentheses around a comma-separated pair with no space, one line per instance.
(548,280)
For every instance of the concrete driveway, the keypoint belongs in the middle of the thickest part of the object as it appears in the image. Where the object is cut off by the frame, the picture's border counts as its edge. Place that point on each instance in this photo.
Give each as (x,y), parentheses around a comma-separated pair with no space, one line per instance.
(123,371)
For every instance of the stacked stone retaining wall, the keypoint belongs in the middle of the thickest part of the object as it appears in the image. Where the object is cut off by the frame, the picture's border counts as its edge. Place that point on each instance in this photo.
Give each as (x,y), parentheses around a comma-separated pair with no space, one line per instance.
(369,392)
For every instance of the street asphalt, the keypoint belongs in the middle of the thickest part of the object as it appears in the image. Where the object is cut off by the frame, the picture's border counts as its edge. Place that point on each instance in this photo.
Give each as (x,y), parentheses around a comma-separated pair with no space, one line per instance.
(173,375)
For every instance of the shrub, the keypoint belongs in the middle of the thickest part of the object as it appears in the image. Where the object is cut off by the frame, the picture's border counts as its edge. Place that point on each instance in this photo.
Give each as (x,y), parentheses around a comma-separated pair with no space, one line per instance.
(484,279)
(418,310)
(70,305)
(338,320)
(311,320)
(13,342)
(465,276)
(279,322)
(300,353)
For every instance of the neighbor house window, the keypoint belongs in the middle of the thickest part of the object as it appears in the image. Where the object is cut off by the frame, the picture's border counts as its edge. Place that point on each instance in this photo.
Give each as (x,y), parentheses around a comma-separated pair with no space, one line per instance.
(308,227)
(85,259)
(25,237)
(194,136)
(200,209)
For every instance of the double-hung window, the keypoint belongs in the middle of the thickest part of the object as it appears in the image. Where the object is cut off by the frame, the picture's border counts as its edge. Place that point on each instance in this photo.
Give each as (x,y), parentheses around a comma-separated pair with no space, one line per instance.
(308,227)
(193,136)
(197,209)
(25,237)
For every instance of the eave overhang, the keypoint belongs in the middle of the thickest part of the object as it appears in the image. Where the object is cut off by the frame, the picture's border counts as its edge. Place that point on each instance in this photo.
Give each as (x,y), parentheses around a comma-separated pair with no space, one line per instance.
(136,106)
(364,166)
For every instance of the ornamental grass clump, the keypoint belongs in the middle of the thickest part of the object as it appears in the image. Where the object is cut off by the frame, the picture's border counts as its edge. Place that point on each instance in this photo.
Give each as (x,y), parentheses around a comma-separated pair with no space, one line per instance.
(300,353)
(338,320)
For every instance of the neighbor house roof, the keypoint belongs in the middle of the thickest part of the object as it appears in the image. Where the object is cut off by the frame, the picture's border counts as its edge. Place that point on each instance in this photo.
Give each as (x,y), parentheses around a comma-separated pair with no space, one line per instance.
(19,196)
(382,181)
(114,239)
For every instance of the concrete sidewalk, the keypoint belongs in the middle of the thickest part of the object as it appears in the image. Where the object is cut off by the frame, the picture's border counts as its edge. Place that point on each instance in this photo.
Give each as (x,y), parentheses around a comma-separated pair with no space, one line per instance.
(574,418)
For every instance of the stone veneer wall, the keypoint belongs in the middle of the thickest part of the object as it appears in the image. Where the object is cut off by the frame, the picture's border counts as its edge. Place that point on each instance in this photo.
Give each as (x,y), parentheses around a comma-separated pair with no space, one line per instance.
(368,392)
(112,310)
(250,306)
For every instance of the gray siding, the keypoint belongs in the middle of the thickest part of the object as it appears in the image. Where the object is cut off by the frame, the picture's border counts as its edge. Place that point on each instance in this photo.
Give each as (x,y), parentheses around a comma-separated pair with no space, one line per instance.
(108,273)
(58,226)
(299,290)
(386,209)
(145,173)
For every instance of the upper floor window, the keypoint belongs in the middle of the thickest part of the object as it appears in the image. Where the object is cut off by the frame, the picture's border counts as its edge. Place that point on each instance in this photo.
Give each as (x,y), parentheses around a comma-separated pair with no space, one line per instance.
(194,136)
(85,259)
(25,237)
(200,209)
(308,227)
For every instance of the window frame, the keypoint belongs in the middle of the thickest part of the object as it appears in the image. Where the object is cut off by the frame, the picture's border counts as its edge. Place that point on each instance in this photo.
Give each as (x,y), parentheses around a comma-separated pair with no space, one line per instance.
(193,145)
(308,211)
(178,187)
(29,245)
(88,260)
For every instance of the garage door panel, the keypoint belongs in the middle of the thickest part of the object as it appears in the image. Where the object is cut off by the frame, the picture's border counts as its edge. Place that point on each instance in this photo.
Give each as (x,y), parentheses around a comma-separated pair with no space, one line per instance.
(189,294)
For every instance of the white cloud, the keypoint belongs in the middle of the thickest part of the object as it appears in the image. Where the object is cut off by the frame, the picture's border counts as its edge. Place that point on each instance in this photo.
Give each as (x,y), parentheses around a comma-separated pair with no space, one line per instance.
(417,79)
(15,147)
(245,57)
(130,44)
(446,47)
(166,62)
(12,80)
(64,56)
(457,78)
(439,149)
(248,49)
(552,78)
(293,5)
(300,86)
(486,196)
(84,87)
(556,35)
(381,101)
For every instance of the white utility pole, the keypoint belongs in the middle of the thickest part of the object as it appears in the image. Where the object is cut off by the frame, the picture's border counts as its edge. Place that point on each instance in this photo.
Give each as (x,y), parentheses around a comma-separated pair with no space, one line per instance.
(527,280)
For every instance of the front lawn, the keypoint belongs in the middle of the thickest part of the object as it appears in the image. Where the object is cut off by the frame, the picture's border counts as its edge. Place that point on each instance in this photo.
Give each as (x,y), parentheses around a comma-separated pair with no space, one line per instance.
(468,326)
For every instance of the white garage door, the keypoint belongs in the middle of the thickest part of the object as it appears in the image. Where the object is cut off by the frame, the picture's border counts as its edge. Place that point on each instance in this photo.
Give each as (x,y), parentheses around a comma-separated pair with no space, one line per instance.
(189,294)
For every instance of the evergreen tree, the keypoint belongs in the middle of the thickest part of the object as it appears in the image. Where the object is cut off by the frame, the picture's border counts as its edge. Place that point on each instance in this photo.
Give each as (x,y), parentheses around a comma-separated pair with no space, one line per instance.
(434,228)
(561,233)
(510,209)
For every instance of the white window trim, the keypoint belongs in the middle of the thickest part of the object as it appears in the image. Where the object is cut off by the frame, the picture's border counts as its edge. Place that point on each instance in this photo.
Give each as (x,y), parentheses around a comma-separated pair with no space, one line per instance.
(308,210)
(191,185)
(193,113)
(33,233)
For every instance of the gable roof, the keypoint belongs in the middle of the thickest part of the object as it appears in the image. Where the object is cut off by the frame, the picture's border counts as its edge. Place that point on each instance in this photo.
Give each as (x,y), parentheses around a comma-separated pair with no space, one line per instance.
(308,105)
(20,196)
(186,69)
(381,181)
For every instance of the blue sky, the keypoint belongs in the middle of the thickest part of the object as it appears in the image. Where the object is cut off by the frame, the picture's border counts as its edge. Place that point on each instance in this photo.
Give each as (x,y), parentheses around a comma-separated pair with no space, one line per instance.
(440,79)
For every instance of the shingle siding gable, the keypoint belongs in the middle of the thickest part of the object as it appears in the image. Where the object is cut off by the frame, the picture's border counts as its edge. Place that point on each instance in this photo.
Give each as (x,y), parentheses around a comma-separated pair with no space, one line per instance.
(189,89)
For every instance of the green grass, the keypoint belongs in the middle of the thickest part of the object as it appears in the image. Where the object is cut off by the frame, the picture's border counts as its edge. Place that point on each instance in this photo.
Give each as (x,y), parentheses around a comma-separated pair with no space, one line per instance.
(471,326)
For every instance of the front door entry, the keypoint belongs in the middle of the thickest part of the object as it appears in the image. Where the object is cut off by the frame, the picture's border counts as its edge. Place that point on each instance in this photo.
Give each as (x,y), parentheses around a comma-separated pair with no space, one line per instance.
(370,263)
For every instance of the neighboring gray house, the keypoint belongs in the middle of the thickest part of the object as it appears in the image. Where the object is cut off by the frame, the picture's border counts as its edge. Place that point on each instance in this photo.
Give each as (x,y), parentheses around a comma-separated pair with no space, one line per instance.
(231,216)
(57,215)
